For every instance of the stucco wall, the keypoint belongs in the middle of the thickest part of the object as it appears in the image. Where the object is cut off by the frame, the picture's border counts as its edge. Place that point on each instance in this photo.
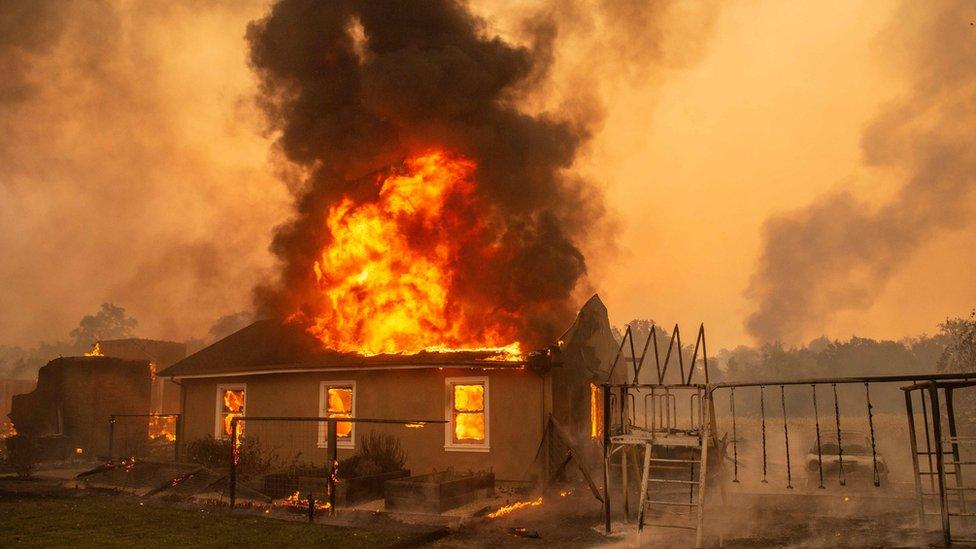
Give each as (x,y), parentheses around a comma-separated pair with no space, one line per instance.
(515,415)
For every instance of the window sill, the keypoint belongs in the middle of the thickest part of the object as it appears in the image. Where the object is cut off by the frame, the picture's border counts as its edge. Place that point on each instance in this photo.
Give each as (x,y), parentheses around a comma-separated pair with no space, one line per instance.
(466,448)
(340,446)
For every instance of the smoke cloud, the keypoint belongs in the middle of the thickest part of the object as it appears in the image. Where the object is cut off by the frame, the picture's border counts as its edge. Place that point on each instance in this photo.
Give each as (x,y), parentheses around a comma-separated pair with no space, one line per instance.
(838,253)
(352,88)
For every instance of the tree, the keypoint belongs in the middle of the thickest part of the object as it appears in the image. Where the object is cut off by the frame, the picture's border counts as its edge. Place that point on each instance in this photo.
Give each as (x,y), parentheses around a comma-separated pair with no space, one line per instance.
(960,351)
(109,322)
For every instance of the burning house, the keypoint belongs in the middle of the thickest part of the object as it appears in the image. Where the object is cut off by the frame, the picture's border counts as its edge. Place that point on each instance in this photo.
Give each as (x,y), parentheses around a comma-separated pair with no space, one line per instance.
(495,406)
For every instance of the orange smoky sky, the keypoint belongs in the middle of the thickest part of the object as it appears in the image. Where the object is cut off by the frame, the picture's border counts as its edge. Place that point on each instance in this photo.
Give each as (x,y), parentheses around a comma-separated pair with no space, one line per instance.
(135,166)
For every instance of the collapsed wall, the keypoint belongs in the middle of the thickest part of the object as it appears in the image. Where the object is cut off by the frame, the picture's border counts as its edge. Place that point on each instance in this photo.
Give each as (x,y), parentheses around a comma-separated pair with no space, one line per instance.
(70,407)
(581,362)
(161,355)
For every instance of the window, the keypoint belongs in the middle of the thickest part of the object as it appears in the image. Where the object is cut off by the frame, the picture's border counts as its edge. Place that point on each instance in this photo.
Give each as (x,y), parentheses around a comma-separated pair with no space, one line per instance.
(467,414)
(338,399)
(596,411)
(230,404)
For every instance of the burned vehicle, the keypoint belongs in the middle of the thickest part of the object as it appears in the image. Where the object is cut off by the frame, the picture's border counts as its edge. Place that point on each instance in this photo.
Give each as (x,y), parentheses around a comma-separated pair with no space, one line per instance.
(852,460)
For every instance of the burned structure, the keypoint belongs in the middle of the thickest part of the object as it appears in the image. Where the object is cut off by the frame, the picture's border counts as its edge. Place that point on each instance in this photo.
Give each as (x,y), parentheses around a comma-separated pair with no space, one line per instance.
(165,395)
(495,409)
(68,411)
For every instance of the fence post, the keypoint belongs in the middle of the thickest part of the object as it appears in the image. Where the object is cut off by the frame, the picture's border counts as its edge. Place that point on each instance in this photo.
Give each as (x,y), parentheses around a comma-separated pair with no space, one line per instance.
(111,437)
(232,488)
(178,432)
(607,418)
(939,463)
(333,441)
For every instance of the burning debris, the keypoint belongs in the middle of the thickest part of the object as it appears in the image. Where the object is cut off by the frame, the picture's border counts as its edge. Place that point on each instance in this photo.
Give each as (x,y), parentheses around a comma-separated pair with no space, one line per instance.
(162,427)
(508,509)
(96,350)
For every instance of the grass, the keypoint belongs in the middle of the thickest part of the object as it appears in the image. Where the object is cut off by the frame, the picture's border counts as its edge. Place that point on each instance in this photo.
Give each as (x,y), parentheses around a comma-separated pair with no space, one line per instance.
(101,522)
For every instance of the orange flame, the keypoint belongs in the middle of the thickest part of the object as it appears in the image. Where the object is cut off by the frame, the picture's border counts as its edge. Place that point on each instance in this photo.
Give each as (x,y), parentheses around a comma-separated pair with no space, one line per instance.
(340,405)
(515,507)
(162,427)
(469,412)
(96,350)
(296,500)
(233,407)
(385,281)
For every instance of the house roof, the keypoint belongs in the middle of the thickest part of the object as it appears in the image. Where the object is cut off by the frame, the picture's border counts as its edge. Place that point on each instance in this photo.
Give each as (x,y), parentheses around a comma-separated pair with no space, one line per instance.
(268,347)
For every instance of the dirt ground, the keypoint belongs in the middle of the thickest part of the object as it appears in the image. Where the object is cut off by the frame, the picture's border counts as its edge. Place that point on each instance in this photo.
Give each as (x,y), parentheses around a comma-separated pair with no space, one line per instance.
(775,518)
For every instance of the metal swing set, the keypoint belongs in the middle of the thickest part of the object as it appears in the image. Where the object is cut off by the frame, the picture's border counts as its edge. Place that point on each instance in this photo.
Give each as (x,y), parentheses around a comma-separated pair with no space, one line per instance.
(683,457)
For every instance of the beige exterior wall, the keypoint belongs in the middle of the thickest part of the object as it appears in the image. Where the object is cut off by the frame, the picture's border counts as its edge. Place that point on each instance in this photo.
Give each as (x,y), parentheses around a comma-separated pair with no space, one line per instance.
(515,415)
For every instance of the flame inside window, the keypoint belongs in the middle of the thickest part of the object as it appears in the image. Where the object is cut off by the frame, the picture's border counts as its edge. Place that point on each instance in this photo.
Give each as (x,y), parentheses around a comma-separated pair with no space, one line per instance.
(469,413)
(596,412)
(233,406)
(339,404)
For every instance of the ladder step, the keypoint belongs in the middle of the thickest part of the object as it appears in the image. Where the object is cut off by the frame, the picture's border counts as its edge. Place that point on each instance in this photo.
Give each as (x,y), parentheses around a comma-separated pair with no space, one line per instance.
(667,460)
(670,481)
(672,526)
(961,488)
(672,503)
(960,463)
(961,514)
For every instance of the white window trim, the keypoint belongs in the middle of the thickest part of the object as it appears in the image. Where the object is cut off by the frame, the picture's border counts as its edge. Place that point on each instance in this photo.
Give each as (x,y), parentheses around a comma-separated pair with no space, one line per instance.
(449,444)
(219,408)
(350,442)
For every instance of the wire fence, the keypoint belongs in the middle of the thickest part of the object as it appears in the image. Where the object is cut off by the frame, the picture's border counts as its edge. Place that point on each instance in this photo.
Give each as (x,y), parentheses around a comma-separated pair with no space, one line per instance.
(294,461)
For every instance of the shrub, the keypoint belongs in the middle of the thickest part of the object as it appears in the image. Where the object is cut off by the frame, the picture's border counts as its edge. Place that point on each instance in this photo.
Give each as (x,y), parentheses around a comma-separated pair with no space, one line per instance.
(215,454)
(23,453)
(377,454)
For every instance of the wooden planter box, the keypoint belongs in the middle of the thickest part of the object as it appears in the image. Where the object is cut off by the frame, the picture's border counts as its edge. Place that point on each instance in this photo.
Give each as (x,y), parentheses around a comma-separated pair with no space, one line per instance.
(348,490)
(437,492)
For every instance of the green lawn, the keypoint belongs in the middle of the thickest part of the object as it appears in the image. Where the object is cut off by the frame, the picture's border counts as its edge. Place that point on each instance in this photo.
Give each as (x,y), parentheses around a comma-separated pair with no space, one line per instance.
(100,522)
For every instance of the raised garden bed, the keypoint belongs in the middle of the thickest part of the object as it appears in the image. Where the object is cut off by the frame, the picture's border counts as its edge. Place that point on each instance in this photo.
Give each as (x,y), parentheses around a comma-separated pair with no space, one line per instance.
(437,492)
(348,490)
(352,490)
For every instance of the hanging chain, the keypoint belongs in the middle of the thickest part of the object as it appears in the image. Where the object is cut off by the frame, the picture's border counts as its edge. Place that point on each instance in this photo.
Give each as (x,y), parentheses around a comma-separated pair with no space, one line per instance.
(762,413)
(840,446)
(816,415)
(874,450)
(735,449)
(786,435)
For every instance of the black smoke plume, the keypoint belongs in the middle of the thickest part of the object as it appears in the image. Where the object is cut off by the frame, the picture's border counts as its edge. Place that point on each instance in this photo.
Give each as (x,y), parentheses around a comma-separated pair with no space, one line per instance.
(355,87)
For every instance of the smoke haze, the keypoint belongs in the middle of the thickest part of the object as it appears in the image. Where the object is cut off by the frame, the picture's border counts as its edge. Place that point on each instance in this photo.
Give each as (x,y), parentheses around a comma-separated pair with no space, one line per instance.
(131,169)
(840,251)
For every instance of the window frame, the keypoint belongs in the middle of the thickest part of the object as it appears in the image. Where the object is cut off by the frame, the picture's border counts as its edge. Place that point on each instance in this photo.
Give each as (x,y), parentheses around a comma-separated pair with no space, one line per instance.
(449,444)
(324,386)
(219,408)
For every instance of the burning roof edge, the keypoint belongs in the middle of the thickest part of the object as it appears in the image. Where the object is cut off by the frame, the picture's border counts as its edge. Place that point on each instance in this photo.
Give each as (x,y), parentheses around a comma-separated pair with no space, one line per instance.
(271,347)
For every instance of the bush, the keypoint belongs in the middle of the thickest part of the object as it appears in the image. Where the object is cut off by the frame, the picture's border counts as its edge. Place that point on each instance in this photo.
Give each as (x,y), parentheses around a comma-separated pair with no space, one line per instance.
(252,459)
(377,454)
(23,453)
